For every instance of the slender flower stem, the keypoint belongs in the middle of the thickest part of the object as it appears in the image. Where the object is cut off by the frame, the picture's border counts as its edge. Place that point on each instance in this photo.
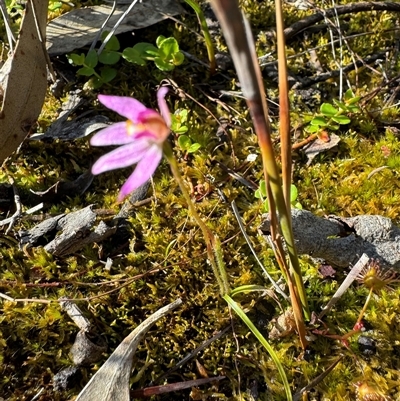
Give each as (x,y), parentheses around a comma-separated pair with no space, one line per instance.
(361,315)
(214,250)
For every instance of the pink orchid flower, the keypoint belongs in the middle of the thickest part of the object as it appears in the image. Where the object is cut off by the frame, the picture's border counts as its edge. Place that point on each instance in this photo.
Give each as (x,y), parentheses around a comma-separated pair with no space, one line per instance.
(141,136)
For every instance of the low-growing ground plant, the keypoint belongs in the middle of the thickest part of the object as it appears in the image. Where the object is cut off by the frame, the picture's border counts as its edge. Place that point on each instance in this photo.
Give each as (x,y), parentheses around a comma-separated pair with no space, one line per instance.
(261,193)
(179,127)
(166,56)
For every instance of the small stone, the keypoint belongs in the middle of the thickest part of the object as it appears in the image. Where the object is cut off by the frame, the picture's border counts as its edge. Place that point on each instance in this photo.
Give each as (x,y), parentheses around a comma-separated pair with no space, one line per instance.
(309,354)
(367,345)
(66,378)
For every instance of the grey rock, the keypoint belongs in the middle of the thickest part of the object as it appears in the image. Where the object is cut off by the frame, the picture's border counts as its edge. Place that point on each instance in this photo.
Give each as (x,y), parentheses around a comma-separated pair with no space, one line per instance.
(341,241)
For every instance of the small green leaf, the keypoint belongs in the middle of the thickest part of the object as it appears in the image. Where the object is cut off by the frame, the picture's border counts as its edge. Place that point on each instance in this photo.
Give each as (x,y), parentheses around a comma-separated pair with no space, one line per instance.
(319,120)
(178,58)
(177,121)
(109,57)
(333,127)
(293,193)
(266,206)
(108,74)
(168,47)
(298,205)
(350,98)
(313,128)
(95,82)
(162,65)
(263,187)
(86,71)
(147,50)
(194,147)
(181,115)
(354,100)
(354,109)
(184,142)
(133,56)
(341,120)
(341,105)
(328,110)
(261,192)
(91,59)
(76,59)
(113,42)
(159,40)
(181,130)
(348,94)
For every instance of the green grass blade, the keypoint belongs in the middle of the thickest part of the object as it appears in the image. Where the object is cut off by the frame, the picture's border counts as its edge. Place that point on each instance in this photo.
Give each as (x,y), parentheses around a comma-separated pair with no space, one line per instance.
(206,33)
(263,341)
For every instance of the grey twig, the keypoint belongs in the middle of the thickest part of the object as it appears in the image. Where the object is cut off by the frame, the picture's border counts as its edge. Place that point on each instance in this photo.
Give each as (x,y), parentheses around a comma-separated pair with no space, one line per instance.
(108,37)
(345,284)
(114,7)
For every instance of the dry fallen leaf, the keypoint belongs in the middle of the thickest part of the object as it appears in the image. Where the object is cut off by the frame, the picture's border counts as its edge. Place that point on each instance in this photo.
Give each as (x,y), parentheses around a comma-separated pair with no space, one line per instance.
(111,381)
(319,146)
(26,85)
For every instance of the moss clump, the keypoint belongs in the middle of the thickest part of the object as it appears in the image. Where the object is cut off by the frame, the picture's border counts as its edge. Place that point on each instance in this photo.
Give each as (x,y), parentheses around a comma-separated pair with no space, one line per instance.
(165,257)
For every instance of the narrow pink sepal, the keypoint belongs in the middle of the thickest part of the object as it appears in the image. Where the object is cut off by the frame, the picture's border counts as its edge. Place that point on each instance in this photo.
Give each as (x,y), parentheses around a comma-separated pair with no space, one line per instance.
(162,104)
(143,171)
(125,106)
(123,156)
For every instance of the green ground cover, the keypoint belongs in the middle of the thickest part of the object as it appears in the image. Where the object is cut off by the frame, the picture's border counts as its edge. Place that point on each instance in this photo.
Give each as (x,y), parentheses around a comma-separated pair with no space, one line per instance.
(163,256)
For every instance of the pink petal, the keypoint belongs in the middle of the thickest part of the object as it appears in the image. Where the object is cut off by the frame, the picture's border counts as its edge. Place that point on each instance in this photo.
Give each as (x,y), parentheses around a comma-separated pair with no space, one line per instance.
(125,106)
(143,171)
(115,134)
(121,134)
(162,104)
(123,156)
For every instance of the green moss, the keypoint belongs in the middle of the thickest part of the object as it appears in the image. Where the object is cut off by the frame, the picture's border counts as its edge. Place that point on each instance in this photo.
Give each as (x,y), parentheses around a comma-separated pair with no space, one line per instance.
(165,256)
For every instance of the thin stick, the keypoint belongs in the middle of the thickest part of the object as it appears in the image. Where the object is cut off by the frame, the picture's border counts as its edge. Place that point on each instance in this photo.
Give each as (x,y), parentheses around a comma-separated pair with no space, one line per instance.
(346,284)
(117,24)
(97,37)
(39,301)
